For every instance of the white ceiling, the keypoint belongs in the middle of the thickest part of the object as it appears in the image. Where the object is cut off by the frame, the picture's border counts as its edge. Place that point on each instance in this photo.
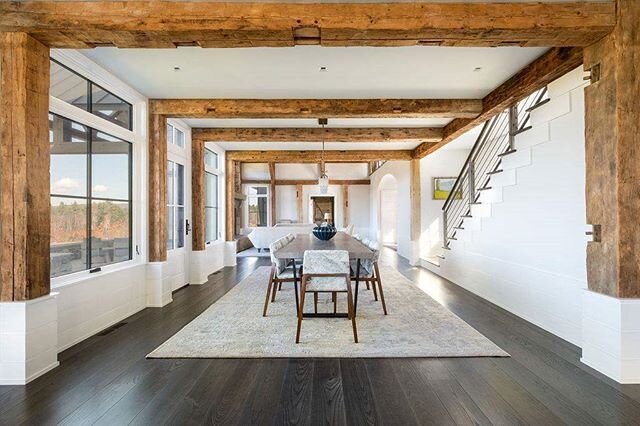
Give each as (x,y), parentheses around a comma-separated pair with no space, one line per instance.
(352,72)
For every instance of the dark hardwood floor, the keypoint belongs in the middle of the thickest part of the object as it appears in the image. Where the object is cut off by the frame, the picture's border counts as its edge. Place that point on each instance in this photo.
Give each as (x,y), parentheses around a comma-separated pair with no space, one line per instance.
(107,380)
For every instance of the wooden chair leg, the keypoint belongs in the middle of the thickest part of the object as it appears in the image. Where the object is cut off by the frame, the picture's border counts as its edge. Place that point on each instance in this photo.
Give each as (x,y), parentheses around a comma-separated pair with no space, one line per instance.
(375,292)
(350,311)
(367,283)
(266,299)
(273,294)
(379,282)
(315,302)
(280,287)
(303,291)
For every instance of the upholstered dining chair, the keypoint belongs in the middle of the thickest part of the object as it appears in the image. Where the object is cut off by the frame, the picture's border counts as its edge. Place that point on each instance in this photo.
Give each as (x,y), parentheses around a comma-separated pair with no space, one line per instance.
(326,271)
(370,273)
(280,271)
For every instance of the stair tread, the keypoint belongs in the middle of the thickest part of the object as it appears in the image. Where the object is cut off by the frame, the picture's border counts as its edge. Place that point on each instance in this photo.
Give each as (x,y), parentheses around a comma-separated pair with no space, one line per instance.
(495,172)
(538,105)
(484,188)
(524,129)
(509,152)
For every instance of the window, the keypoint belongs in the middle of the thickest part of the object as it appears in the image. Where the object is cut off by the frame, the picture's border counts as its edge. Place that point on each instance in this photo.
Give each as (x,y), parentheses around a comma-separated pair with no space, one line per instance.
(211,184)
(175,205)
(90,197)
(257,206)
(211,207)
(210,159)
(76,90)
(175,136)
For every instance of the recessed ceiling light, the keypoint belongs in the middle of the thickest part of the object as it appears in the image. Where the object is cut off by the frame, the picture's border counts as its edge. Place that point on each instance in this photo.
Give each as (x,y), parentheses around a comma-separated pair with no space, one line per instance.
(323,69)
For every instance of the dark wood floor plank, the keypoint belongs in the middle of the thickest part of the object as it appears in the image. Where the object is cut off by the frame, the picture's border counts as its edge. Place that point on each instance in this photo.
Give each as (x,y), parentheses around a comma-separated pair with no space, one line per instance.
(175,389)
(261,406)
(389,393)
(422,398)
(297,390)
(358,396)
(328,397)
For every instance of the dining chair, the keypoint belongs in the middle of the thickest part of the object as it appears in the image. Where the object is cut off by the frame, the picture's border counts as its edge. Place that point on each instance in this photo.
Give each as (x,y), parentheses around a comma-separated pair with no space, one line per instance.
(370,273)
(326,271)
(280,272)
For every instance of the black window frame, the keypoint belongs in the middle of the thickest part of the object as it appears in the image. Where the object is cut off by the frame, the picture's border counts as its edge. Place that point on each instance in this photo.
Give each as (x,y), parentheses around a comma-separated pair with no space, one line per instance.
(89,198)
(89,109)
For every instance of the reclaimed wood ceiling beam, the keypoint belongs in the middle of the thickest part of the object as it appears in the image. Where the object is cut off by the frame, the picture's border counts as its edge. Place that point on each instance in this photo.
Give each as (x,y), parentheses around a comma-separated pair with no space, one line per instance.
(314,108)
(294,182)
(380,134)
(330,156)
(166,24)
(547,68)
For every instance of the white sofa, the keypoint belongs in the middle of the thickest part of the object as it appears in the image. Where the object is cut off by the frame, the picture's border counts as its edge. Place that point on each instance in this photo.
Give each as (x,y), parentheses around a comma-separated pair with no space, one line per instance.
(263,236)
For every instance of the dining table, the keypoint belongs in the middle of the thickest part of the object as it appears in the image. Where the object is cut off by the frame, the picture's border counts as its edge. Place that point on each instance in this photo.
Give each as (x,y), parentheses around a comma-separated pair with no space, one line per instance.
(294,252)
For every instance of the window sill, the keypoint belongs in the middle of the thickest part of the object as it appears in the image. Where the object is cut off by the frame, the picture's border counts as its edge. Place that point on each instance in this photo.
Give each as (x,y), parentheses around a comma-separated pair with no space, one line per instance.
(83,276)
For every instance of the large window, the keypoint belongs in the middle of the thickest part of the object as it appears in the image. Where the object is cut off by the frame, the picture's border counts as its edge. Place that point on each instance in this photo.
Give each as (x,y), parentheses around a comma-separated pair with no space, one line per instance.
(175,205)
(76,90)
(257,205)
(211,182)
(90,197)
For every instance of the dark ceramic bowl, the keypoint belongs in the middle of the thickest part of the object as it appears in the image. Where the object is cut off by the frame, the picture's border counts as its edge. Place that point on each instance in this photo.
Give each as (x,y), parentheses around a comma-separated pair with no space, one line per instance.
(324,233)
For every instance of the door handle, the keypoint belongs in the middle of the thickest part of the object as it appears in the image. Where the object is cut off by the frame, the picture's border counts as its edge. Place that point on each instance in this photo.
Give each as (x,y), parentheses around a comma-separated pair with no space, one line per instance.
(187,227)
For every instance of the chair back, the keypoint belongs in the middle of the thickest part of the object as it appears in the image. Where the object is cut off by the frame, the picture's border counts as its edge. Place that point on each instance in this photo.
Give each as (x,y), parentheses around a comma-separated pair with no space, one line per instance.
(281,264)
(375,248)
(326,262)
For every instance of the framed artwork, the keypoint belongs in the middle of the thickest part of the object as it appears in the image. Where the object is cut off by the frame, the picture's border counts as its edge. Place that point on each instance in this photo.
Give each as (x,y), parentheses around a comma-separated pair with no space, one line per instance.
(442,187)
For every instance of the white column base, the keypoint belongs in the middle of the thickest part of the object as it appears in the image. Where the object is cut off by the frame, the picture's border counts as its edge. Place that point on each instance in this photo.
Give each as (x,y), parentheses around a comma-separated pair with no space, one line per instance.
(611,336)
(230,253)
(158,287)
(28,339)
(414,259)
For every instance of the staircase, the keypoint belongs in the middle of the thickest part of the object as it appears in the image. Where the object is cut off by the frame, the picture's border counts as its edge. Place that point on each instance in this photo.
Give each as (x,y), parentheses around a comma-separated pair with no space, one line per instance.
(472,195)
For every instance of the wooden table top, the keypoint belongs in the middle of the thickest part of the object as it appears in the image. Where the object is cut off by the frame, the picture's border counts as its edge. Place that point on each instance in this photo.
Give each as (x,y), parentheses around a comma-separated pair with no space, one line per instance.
(296,248)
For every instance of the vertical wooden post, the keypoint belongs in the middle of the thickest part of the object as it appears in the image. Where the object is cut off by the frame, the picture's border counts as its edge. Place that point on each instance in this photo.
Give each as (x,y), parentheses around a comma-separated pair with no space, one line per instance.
(198,196)
(25,209)
(345,205)
(612,126)
(299,205)
(157,187)
(230,199)
(272,192)
(415,199)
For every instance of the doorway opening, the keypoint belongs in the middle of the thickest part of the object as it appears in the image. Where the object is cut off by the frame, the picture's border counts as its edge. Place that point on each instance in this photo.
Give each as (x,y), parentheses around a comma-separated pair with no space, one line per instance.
(323,209)
(388,212)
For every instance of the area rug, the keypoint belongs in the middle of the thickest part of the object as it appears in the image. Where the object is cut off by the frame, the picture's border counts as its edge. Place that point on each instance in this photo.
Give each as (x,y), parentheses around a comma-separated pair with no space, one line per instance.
(416,326)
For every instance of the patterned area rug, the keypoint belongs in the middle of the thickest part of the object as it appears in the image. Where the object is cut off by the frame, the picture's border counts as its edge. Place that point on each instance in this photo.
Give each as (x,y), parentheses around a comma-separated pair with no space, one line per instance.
(417,326)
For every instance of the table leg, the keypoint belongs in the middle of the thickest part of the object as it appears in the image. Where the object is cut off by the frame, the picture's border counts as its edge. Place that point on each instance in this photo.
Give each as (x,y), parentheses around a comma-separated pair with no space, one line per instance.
(355,302)
(295,286)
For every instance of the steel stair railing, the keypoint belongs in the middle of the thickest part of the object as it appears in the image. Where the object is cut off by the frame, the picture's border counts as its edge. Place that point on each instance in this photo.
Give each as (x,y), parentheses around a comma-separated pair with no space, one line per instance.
(496,140)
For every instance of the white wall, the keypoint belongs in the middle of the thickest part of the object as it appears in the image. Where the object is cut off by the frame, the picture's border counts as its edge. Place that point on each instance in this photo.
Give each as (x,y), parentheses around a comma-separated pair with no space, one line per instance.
(442,163)
(286,206)
(528,256)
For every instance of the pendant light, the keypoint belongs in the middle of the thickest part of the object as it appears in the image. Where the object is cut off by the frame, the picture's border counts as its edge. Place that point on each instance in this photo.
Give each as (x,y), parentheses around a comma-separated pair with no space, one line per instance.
(323,182)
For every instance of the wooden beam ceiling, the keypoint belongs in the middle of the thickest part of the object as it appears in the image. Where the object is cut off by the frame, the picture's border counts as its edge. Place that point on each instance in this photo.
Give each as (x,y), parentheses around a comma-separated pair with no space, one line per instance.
(314,108)
(166,24)
(550,66)
(316,156)
(408,134)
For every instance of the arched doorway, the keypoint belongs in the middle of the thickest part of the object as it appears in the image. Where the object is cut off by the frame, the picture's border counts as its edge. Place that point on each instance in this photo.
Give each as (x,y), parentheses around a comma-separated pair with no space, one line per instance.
(388,211)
